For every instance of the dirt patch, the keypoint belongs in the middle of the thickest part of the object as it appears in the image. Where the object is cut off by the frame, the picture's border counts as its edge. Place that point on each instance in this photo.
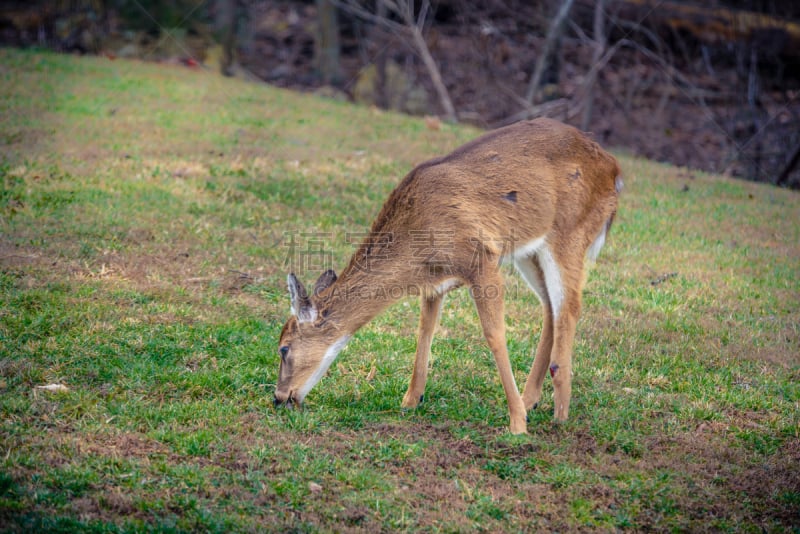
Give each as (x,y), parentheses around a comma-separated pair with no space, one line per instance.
(773,485)
(108,505)
(126,445)
(738,481)
(26,263)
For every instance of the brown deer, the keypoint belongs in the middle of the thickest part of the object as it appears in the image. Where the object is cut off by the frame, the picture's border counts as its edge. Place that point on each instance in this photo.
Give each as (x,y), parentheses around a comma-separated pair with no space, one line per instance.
(538,193)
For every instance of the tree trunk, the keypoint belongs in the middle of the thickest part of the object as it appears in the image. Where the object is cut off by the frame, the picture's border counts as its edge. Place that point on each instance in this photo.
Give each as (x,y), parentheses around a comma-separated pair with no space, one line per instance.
(381,98)
(599,49)
(226,11)
(326,58)
(783,177)
(553,35)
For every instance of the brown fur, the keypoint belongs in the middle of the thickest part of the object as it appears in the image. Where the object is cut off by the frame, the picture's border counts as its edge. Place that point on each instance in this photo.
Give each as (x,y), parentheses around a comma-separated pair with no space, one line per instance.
(503,190)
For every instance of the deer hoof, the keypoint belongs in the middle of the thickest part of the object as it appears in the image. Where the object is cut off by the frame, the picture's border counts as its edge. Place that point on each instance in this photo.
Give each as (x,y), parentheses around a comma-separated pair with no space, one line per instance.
(410,402)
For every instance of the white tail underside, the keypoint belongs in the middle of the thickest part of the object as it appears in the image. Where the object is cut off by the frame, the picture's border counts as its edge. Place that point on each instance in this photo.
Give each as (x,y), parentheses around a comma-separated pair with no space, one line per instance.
(549,290)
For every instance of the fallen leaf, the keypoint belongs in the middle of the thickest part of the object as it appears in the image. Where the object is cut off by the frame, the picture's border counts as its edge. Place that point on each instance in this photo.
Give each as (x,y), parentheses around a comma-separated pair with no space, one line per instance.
(371,374)
(313,487)
(433,123)
(56,388)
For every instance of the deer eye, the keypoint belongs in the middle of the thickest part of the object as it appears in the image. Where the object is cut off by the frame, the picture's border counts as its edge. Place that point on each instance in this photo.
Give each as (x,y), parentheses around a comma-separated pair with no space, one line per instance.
(284,351)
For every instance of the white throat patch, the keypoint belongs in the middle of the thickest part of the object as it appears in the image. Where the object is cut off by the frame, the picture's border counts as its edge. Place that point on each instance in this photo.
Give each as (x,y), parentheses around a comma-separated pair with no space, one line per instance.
(330,355)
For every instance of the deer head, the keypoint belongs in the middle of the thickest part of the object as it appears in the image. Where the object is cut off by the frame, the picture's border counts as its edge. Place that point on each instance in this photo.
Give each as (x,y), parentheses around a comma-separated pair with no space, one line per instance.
(309,342)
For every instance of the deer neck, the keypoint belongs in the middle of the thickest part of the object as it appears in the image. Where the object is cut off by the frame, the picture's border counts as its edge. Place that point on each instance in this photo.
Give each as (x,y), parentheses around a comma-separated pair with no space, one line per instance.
(360,294)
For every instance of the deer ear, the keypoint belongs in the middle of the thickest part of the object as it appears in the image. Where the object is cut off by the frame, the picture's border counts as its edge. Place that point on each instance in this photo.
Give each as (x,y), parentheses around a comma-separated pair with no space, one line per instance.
(324,282)
(301,304)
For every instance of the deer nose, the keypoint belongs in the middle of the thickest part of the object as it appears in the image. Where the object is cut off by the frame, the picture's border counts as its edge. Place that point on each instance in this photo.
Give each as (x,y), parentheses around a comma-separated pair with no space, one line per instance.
(288,401)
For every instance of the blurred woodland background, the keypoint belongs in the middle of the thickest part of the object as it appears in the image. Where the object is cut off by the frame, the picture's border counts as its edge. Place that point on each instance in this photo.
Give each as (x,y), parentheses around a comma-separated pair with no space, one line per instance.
(711,85)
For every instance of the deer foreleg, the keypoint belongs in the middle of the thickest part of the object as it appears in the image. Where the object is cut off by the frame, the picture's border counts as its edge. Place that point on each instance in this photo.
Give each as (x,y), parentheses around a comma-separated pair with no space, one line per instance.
(430,311)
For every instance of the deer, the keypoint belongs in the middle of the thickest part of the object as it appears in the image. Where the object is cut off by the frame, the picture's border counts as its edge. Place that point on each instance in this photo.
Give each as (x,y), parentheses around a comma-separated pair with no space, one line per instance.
(538,193)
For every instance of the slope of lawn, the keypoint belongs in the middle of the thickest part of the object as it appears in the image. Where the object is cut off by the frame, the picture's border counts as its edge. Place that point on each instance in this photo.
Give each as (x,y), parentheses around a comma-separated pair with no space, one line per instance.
(148,217)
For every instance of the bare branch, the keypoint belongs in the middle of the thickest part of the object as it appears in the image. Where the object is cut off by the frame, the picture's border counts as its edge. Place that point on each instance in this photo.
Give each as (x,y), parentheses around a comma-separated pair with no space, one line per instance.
(570,106)
(413,26)
(552,36)
(559,107)
(436,77)
(356,9)
(423,14)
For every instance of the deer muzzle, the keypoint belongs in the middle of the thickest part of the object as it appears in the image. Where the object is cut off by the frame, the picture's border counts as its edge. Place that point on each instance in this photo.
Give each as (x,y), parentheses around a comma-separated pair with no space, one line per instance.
(287,401)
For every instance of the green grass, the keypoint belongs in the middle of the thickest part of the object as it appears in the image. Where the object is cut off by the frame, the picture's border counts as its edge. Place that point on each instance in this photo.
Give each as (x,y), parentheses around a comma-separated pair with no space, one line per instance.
(148,217)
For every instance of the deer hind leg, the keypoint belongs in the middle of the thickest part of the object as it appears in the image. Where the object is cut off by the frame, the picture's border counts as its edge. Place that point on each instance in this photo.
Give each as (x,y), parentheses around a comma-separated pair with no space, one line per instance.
(563,280)
(532,273)
(487,292)
(430,310)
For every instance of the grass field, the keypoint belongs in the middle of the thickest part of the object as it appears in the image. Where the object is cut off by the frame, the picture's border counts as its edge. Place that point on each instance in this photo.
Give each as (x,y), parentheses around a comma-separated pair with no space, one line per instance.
(148,217)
